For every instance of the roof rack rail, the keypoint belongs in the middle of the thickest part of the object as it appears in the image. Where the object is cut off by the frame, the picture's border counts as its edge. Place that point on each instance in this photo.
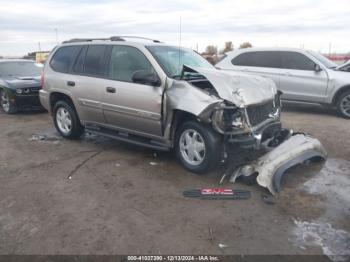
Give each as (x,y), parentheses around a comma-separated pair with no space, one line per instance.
(112,38)
(139,37)
(75,40)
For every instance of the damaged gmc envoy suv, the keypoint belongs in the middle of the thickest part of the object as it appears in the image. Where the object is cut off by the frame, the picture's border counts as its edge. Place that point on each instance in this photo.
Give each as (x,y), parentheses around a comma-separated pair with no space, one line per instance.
(152,94)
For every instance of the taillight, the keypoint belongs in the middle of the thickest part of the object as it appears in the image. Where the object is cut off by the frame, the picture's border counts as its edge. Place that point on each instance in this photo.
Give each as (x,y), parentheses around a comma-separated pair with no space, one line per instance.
(42,80)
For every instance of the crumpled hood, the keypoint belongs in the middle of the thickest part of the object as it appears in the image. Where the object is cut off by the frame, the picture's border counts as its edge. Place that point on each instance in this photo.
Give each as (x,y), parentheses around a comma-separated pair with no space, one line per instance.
(238,88)
(22,82)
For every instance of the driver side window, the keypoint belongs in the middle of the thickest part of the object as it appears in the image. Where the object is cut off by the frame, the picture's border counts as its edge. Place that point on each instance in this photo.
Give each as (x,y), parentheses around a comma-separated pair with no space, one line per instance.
(297,61)
(125,61)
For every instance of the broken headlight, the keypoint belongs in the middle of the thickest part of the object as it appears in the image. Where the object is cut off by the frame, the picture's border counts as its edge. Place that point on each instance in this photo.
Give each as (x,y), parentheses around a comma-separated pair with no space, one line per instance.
(228,118)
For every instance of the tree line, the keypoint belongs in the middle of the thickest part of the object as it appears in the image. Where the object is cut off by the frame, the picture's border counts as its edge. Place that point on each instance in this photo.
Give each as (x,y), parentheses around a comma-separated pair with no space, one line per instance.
(213,50)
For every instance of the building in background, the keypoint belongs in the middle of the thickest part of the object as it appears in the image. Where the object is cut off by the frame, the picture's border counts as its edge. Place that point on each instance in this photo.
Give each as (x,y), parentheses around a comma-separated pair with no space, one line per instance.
(38,56)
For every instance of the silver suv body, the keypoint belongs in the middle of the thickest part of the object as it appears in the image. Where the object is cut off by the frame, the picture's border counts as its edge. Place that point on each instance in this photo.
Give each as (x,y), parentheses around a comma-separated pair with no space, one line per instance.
(302,76)
(159,96)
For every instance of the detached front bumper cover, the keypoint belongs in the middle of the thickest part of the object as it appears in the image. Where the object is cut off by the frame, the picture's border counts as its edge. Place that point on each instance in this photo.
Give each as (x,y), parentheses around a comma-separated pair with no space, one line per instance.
(270,167)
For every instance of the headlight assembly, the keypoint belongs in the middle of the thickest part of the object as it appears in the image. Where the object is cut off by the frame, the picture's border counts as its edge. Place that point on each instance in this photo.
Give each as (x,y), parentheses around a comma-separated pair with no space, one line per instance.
(228,118)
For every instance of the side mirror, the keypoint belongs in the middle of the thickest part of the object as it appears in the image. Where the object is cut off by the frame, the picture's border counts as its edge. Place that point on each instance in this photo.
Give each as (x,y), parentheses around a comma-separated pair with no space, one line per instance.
(317,68)
(145,77)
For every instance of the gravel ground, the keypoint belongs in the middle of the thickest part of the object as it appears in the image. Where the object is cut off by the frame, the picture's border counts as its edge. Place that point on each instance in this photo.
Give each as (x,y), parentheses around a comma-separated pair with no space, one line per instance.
(98,196)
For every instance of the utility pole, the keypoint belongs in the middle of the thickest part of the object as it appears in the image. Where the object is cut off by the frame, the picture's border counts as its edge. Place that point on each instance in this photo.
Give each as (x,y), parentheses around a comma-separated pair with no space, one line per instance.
(330,48)
(180,32)
(39,46)
(56,33)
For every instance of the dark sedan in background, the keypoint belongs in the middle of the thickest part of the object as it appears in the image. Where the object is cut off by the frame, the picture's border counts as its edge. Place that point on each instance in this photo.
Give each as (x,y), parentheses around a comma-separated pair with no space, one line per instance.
(19,85)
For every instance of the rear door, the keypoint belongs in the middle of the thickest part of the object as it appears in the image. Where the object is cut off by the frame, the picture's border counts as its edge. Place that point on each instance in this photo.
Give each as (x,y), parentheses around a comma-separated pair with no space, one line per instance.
(88,82)
(127,105)
(299,81)
(263,63)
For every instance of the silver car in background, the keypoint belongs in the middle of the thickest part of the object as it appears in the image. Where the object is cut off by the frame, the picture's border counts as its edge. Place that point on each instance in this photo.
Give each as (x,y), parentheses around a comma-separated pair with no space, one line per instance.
(302,76)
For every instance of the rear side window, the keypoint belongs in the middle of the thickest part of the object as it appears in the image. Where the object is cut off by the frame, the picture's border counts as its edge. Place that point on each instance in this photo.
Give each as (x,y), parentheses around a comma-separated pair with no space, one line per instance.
(297,61)
(125,61)
(258,59)
(64,58)
(94,60)
(79,63)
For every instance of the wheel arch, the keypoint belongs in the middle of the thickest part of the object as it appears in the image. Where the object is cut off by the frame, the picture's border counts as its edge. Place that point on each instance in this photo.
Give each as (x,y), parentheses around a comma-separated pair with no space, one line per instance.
(179,117)
(59,96)
(339,92)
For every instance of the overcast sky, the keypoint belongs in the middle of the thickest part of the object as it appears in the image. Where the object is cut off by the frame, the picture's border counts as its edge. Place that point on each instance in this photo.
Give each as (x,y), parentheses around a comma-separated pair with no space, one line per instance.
(313,24)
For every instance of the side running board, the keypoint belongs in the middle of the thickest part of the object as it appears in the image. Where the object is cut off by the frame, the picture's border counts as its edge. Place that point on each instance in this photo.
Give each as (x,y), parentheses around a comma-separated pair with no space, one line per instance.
(133,139)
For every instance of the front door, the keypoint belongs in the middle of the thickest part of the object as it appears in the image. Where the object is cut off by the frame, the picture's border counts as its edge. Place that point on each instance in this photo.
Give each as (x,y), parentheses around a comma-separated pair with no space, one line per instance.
(299,81)
(130,106)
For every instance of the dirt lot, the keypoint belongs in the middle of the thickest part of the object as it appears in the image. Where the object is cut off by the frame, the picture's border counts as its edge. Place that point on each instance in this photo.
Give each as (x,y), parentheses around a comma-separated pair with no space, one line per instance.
(98,196)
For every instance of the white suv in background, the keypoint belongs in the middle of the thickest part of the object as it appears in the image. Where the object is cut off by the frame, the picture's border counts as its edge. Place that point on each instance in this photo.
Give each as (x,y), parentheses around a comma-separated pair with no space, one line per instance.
(302,76)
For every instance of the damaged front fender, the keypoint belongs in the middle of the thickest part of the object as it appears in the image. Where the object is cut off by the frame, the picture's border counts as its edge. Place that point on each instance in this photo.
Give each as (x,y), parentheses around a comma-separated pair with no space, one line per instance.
(272,166)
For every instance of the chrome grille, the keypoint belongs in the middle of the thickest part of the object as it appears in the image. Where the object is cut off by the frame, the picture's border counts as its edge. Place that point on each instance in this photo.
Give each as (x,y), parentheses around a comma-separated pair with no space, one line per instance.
(259,113)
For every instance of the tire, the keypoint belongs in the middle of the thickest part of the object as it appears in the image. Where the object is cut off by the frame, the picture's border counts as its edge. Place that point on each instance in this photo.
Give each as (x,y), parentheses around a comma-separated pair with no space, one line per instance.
(67,121)
(343,104)
(193,136)
(7,106)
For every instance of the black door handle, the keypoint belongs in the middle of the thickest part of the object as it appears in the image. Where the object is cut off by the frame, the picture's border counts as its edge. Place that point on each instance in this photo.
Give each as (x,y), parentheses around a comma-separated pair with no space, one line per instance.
(110,89)
(70,83)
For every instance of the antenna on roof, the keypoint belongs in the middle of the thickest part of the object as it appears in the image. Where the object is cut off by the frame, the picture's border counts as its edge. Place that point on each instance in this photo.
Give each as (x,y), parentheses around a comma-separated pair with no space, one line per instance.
(179,43)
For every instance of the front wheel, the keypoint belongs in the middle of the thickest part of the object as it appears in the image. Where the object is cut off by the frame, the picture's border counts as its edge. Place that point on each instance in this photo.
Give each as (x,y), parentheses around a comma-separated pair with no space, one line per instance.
(6,104)
(67,121)
(343,104)
(198,147)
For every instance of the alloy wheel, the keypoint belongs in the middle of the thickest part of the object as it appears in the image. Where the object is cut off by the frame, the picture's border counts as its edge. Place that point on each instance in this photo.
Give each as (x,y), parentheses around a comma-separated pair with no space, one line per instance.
(64,120)
(192,147)
(5,101)
(345,105)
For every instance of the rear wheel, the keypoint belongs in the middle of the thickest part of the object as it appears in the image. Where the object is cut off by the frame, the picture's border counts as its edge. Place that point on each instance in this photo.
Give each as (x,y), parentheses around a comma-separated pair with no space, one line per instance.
(343,104)
(6,104)
(198,147)
(67,121)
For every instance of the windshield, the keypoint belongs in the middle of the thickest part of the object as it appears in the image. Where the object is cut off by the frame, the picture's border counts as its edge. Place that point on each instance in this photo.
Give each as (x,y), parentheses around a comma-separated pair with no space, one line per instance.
(172,59)
(20,69)
(324,60)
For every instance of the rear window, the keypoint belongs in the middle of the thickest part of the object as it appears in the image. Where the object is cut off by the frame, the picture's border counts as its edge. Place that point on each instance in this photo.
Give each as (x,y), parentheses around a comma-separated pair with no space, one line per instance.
(64,58)
(258,59)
